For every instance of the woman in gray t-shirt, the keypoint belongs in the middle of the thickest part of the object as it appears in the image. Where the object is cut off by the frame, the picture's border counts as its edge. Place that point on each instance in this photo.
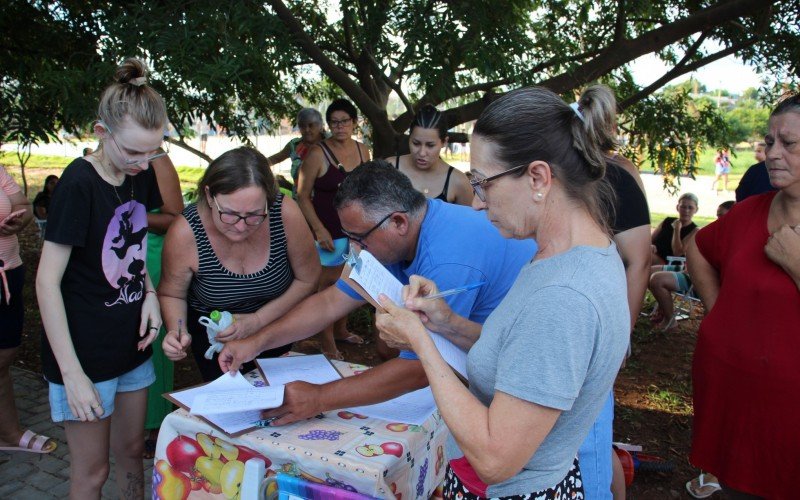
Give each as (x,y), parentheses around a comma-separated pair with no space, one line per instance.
(542,365)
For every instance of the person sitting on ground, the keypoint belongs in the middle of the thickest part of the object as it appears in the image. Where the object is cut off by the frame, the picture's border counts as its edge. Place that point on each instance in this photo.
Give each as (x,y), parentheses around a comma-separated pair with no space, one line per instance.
(424,164)
(664,283)
(670,237)
(242,248)
(382,213)
(41,203)
(756,179)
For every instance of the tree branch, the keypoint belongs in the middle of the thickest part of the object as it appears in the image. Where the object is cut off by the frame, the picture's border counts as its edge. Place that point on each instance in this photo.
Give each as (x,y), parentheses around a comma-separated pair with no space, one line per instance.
(339,77)
(626,51)
(679,70)
(619,26)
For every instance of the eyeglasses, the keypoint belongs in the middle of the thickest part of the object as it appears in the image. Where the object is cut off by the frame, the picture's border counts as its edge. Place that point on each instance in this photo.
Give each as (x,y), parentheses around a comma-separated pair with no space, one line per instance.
(232,218)
(359,238)
(340,123)
(148,159)
(479,183)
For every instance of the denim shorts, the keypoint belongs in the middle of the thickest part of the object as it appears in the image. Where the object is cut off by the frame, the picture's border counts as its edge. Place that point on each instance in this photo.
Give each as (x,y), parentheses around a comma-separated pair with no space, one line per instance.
(138,378)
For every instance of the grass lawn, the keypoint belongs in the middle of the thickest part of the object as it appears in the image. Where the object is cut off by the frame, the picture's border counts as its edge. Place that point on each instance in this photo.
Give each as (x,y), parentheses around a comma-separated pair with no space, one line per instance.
(740,160)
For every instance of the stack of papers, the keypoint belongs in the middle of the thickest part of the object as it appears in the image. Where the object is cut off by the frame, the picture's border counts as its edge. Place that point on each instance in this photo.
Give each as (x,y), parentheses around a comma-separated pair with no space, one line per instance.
(375,279)
(227,402)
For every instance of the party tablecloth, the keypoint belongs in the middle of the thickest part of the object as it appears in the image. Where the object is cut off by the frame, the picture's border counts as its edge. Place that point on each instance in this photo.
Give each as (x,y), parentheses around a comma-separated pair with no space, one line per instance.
(373,457)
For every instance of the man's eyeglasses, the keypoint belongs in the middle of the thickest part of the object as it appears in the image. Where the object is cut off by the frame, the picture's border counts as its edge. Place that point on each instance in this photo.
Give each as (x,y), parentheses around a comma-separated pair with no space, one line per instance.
(479,183)
(232,218)
(164,152)
(340,123)
(359,238)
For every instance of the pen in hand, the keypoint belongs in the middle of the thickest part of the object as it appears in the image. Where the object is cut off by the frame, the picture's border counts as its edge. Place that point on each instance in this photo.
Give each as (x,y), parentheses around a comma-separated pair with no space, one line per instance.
(454,291)
(180,327)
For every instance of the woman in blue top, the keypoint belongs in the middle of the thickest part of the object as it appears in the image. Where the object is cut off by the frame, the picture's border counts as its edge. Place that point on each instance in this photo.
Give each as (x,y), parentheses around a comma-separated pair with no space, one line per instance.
(541,367)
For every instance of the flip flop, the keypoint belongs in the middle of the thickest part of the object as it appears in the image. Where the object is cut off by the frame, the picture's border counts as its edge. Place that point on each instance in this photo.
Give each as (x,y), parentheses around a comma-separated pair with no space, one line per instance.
(699,488)
(32,443)
(351,338)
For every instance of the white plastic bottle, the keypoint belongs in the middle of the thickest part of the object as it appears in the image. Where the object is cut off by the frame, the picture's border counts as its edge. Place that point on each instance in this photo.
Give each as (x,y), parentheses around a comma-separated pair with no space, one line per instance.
(215,322)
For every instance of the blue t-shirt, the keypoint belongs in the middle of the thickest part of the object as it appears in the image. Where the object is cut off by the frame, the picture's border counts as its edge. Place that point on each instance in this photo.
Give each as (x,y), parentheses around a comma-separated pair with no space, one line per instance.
(458,246)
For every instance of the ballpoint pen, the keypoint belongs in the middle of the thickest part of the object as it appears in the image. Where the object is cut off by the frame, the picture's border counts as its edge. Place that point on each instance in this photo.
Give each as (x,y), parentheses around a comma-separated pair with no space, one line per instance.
(456,290)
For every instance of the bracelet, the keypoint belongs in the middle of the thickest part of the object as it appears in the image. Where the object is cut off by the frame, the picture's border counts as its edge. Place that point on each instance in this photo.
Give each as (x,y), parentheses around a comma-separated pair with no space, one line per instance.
(150,291)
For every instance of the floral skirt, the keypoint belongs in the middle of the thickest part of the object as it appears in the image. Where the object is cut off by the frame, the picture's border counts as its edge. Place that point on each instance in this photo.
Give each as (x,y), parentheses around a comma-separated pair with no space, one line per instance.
(570,488)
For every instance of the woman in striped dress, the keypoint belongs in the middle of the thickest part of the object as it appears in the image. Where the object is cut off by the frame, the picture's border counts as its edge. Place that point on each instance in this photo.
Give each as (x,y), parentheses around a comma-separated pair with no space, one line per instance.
(242,248)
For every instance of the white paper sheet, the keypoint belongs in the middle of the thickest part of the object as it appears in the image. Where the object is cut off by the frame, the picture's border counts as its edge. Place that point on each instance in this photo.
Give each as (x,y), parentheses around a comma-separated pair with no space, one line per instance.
(376,280)
(238,400)
(412,408)
(230,423)
(314,369)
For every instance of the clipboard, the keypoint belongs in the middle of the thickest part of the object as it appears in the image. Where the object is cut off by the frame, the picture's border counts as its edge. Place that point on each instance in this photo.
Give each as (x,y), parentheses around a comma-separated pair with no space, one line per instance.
(266,379)
(447,349)
(352,261)
(168,396)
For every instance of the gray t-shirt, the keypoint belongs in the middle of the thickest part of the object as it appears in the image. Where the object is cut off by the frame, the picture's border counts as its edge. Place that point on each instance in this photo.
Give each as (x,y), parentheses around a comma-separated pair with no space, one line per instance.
(557,340)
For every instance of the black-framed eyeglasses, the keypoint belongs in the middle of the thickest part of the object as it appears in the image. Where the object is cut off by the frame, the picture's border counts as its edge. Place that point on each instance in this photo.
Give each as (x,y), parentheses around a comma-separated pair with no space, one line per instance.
(479,183)
(340,123)
(232,218)
(148,159)
(359,238)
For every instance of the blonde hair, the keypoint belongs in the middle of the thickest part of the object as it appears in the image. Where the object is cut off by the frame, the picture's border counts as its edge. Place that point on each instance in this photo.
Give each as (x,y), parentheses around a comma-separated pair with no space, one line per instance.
(598,106)
(130,96)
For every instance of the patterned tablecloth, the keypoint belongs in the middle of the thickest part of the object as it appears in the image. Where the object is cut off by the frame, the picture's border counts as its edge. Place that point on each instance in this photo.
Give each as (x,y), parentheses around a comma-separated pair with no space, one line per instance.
(374,457)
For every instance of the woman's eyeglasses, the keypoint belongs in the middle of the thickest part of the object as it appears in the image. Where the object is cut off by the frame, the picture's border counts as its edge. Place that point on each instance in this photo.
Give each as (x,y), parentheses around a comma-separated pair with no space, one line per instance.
(232,218)
(340,123)
(479,182)
(148,159)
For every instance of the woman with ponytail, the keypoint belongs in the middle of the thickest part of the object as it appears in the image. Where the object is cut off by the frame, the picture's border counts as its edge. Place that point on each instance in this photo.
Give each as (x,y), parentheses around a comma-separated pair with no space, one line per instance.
(542,365)
(98,304)
(428,172)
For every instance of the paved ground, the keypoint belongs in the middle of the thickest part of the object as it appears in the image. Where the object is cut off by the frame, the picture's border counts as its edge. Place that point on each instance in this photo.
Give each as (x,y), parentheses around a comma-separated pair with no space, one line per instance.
(31,476)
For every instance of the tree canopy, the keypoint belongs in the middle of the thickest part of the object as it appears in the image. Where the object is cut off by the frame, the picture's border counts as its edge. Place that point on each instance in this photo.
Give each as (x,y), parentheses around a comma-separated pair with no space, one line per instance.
(244,64)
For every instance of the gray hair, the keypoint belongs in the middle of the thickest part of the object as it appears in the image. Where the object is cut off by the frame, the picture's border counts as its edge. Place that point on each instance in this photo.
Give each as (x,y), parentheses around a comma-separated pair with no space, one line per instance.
(309,115)
(380,189)
(534,123)
(690,197)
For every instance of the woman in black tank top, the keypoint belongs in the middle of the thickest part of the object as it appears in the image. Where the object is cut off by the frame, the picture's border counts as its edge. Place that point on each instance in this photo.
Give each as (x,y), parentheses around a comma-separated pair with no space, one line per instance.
(426,169)
(242,248)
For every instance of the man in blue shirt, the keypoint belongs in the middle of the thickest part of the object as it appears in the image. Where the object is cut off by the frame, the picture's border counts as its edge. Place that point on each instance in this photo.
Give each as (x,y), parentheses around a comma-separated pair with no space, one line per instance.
(381,212)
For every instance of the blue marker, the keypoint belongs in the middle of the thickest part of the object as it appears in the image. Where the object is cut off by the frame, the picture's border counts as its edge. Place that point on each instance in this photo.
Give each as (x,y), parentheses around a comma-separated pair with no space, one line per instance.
(456,290)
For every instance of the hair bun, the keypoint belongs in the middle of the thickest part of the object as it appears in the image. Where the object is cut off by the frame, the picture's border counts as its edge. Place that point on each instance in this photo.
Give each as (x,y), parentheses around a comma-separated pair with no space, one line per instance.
(132,71)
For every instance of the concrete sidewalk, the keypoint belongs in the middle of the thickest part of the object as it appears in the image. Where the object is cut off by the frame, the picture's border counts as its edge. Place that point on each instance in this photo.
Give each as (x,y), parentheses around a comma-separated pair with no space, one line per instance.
(33,476)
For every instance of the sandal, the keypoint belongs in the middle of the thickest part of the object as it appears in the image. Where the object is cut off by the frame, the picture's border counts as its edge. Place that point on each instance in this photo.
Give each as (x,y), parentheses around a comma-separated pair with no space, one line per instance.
(33,443)
(699,488)
(351,338)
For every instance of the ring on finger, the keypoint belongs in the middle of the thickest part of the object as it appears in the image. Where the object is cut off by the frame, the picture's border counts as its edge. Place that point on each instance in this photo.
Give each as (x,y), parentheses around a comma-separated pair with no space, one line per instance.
(153,328)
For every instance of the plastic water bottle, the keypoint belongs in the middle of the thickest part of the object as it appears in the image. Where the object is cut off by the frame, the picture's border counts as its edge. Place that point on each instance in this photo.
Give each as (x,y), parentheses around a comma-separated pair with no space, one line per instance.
(215,322)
